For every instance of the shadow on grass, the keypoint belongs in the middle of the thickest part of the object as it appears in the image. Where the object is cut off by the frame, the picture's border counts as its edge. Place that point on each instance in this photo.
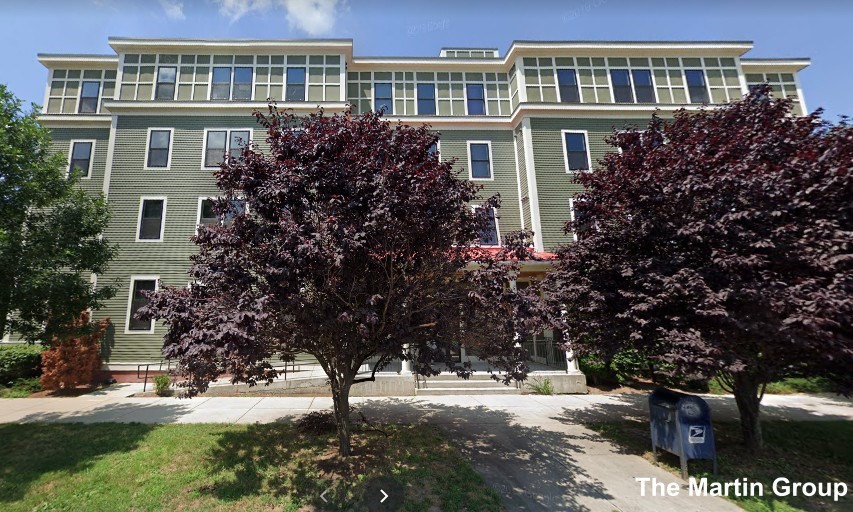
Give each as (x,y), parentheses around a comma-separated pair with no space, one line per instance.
(530,467)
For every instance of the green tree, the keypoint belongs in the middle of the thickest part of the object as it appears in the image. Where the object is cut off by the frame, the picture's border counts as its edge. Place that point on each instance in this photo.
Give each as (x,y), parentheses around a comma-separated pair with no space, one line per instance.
(50,232)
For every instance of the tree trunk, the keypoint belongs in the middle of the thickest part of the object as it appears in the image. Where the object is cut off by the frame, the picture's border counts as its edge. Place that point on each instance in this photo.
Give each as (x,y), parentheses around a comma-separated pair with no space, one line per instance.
(340,397)
(746,391)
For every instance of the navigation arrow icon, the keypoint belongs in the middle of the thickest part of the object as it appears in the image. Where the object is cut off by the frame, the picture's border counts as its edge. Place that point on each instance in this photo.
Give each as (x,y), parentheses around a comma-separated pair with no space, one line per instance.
(385,496)
(323,496)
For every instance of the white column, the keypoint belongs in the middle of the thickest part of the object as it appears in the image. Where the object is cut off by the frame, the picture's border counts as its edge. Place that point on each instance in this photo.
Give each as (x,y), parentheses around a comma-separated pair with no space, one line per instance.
(405,365)
(571,362)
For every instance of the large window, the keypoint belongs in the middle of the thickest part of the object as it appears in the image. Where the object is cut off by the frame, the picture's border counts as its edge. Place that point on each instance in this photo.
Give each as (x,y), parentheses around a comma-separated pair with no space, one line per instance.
(696,85)
(159,149)
(489,235)
(480,158)
(576,151)
(221,89)
(383,100)
(568,81)
(89,97)
(643,88)
(151,216)
(295,85)
(81,158)
(476,100)
(138,287)
(621,81)
(219,142)
(166,83)
(426,99)
(242,84)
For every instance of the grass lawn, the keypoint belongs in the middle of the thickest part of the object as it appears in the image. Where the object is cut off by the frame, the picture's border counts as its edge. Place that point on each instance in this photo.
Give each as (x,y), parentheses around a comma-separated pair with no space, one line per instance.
(784,386)
(112,467)
(800,451)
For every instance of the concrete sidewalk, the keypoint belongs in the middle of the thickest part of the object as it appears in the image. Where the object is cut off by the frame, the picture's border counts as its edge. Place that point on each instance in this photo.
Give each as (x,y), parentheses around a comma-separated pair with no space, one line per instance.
(534,450)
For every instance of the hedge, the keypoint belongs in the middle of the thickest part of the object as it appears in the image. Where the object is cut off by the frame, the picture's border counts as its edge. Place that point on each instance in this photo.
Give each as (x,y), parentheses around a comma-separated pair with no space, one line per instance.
(19,361)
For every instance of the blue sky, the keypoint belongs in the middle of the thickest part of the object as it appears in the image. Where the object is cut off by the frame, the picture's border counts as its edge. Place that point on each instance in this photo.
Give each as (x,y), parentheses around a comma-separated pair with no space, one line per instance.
(819,29)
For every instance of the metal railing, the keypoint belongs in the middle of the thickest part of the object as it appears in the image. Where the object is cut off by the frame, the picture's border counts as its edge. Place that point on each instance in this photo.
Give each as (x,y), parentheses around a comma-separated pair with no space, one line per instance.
(544,350)
(148,368)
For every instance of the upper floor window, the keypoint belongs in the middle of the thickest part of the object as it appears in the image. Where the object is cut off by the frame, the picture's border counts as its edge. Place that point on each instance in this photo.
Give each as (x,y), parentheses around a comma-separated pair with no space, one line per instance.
(89,97)
(476,100)
(295,85)
(219,142)
(696,85)
(489,235)
(643,87)
(621,81)
(480,158)
(221,89)
(81,158)
(576,151)
(208,216)
(166,76)
(568,82)
(426,99)
(242,84)
(382,98)
(138,287)
(151,216)
(159,148)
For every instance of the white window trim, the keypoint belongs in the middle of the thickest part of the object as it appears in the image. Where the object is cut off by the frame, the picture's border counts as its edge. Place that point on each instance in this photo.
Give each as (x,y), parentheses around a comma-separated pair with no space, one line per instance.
(71,153)
(572,217)
(566,151)
(497,226)
(227,142)
(171,148)
(162,218)
(157,82)
(433,83)
(201,199)
(491,161)
(133,279)
(465,84)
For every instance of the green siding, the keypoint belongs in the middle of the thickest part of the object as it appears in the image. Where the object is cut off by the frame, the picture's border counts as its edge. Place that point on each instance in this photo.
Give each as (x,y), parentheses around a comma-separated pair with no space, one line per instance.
(554,185)
(182,184)
(454,145)
(62,138)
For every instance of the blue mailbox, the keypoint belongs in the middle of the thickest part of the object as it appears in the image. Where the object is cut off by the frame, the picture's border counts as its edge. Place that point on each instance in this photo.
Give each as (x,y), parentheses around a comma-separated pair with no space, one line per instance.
(681,424)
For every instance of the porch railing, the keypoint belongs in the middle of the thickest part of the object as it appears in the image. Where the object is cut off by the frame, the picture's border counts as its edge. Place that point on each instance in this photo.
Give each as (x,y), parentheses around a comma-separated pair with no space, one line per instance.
(544,350)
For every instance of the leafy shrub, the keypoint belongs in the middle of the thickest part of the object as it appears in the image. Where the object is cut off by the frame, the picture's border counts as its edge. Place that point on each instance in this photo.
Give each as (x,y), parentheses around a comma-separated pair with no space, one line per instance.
(21,388)
(317,422)
(19,361)
(541,387)
(73,360)
(161,385)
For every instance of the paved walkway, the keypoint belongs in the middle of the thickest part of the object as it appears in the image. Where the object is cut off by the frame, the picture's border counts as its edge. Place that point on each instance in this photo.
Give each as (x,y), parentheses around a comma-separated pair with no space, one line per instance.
(532,449)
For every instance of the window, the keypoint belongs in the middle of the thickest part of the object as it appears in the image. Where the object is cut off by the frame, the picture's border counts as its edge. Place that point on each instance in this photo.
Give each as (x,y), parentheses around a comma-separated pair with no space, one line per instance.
(81,158)
(166,83)
(579,217)
(489,235)
(426,99)
(151,217)
(576,151)
(696,85)
(480,158)
(621,86)
(476,100)
(568,80)
(207,216)
(159,142)
(238,206)
(221,89)
(433,149)
(89,97)
(295,85)
(138,286)
(382,98)
(219,142)
(643,87)
(242,84)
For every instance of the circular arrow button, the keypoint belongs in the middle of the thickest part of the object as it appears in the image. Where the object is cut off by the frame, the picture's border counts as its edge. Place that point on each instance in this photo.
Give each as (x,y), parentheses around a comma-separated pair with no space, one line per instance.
(383,494)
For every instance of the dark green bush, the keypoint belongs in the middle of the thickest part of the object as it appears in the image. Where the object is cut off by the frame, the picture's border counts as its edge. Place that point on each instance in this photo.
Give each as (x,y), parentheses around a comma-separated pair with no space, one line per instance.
(19,361)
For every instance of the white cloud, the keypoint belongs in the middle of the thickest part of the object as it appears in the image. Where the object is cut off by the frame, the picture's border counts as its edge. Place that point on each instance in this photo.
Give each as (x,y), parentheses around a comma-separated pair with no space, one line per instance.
(173,9)
(314,17)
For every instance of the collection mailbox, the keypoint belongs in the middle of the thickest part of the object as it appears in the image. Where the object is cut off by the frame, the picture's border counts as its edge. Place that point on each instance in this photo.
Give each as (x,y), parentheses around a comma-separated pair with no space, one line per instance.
(681,424)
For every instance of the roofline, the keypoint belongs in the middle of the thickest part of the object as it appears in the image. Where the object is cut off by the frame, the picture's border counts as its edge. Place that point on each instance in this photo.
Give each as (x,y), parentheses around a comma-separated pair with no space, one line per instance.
(776,64)
(50,60)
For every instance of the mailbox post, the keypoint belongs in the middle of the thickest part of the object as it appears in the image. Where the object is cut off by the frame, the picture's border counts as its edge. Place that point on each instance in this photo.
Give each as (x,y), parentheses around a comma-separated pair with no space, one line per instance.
(681,424)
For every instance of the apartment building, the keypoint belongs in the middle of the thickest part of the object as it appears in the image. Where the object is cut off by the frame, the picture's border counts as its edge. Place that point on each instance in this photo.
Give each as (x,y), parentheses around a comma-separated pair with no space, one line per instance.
(146,127)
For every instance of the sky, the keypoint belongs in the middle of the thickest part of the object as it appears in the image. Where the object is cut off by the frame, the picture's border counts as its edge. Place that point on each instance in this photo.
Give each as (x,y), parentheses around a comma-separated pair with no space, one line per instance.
(819,29)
